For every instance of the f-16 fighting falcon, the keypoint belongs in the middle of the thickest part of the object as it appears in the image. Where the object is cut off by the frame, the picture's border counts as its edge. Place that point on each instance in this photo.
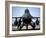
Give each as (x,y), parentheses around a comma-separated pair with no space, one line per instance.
(27,19)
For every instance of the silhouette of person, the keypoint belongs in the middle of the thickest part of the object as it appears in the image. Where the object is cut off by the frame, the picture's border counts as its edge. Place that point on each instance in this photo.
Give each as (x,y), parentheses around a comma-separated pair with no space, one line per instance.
(16,22)
(19,24)
(37,22)
(33,25)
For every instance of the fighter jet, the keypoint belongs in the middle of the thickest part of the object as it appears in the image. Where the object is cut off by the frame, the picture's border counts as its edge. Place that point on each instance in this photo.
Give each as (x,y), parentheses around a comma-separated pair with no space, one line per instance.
(27,19)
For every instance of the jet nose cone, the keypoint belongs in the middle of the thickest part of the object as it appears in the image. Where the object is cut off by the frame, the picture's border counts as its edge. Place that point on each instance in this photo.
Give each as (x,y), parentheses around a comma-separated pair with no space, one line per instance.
(26,11)
(26,14)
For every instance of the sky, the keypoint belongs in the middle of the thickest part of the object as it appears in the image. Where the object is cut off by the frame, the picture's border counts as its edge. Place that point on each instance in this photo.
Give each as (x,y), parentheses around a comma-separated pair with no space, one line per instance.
(19,11)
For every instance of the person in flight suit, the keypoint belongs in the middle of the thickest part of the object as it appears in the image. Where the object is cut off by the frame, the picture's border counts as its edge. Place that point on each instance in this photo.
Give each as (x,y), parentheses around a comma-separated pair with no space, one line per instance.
(37,22)
(19,24)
